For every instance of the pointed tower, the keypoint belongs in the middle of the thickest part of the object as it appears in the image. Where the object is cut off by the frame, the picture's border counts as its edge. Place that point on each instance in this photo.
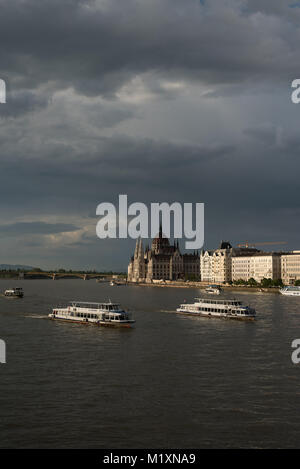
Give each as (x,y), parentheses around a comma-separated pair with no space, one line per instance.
(141,249)
(160,231)
(136,249)
(141,262)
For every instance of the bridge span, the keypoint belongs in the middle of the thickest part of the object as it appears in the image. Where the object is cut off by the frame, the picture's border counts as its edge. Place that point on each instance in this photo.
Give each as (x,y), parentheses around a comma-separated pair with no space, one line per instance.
(60,275)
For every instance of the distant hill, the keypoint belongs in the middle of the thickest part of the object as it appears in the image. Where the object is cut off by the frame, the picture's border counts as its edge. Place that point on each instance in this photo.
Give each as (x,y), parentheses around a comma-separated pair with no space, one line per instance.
(15,267)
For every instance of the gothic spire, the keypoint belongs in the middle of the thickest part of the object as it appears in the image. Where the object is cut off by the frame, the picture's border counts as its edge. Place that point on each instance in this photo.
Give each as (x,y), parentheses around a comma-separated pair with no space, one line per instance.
(141,248)
(136,249)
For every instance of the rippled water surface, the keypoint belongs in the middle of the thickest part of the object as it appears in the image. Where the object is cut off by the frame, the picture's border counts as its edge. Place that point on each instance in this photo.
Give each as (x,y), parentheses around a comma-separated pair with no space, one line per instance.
(172,382)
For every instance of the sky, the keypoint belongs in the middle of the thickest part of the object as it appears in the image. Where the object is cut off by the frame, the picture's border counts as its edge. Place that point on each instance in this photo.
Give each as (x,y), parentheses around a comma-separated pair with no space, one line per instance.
(162,100)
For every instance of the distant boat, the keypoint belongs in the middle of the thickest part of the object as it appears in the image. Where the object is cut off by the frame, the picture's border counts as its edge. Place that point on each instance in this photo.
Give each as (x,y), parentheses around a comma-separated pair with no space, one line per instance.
(113,283)
(101,280)
(227,309)
(213,290)
(99,314)
(16,292)
(290,291)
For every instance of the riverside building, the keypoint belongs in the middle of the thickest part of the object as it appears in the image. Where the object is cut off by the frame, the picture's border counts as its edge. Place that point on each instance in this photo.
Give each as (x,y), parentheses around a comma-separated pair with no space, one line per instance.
(257,265)
(163,261)
(216,265)
(290,267)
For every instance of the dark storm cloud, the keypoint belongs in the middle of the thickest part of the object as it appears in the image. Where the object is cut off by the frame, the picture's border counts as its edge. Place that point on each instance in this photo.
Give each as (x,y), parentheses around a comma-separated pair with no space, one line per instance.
(98,46)
(280,8)
(25,228)
(266,134)
(118,164)
(148,170)
(22,102)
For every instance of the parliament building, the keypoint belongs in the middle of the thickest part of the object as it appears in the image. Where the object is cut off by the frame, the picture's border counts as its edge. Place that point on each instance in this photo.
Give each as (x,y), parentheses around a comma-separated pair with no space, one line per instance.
(163,261)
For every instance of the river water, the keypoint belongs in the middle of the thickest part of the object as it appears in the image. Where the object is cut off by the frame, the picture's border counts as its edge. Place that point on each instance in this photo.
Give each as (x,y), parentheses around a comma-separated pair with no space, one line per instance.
(171,382)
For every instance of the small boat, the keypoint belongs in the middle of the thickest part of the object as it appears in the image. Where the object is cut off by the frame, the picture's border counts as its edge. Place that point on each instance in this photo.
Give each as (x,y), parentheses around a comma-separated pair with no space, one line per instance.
(228,309)
(101,280)
(113,283)
(290,291)
(16,292)
(213,290)
(99,314)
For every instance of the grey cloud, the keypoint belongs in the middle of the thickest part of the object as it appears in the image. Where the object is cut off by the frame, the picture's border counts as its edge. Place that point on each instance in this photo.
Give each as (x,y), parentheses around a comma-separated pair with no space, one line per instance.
(280,8)
(265,133)
(147,170)
(23,102)
(97,50)
(36,228)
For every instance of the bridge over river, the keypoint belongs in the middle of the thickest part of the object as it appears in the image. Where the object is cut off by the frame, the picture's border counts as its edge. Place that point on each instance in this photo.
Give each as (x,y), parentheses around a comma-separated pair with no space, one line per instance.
(60,275)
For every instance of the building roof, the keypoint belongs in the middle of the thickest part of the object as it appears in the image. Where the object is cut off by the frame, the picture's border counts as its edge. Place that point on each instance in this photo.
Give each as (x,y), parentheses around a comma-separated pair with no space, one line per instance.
(257,254)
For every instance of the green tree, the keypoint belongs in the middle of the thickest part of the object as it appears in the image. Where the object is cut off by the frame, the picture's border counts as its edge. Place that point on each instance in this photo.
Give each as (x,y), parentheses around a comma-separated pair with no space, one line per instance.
(266,282)
(240,282)
(278,282)
(252,282)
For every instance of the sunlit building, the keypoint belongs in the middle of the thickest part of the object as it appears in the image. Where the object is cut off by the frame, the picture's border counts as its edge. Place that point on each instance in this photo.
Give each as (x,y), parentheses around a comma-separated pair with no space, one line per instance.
(257,265)
(290,267)
(163,261)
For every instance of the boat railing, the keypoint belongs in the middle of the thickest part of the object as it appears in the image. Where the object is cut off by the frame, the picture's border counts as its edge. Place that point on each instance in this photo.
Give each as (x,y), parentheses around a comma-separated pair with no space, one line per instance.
(220,302)
(91,305)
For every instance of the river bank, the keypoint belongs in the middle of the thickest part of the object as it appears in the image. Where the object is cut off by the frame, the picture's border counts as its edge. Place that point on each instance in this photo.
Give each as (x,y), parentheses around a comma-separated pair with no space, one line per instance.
(203,285)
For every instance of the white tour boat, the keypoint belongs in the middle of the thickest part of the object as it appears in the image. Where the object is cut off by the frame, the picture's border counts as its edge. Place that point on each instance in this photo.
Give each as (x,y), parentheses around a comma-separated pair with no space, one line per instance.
(230,309)
(290,291)
(16,292)
(213,290)
(100,314)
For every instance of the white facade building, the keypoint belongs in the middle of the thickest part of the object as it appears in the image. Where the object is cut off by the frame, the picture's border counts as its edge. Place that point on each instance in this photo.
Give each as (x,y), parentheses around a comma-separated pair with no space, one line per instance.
(216,266)
(290,267)
(257,266)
